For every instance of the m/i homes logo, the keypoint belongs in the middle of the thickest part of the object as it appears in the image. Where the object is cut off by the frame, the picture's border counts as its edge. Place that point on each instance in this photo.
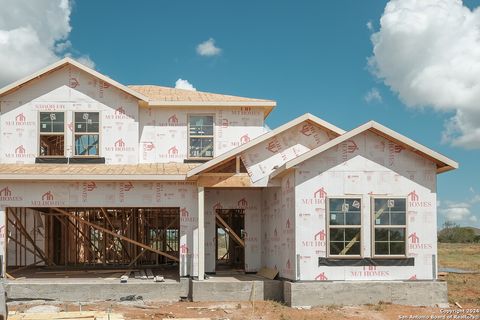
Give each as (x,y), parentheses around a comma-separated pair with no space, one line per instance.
(6,194)
(120,146)
(318,197)
(415,243)
(415,201)
(48,199)
(20,121)
(20,152)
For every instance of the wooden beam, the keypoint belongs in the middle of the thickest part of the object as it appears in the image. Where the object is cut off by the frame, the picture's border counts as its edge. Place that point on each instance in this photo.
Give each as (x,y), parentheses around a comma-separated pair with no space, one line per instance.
(93,225)
(237,164)
(227,228)
(21,228)
(84,237)
(113,228)
(225,180)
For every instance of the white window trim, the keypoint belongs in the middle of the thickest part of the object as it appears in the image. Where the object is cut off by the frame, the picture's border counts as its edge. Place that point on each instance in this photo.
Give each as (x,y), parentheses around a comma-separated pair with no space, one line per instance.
(40,133)
(372,236)
(327,214)
(74,155)
(189,136)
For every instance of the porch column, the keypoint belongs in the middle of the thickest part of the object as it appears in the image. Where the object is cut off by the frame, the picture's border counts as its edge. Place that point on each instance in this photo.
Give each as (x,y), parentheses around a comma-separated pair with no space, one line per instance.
(201,233)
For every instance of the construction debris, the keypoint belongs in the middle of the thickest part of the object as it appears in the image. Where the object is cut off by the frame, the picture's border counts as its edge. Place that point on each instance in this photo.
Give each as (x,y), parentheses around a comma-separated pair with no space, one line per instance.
(82,315)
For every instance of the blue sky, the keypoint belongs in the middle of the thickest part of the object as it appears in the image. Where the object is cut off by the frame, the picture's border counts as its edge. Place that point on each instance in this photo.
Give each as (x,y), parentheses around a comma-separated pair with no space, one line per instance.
(309,56)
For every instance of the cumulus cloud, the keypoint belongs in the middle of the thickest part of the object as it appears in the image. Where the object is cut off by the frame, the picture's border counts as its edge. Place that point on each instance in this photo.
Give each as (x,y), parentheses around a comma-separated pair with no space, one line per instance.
(459,213)
(208,48)
(370,25)
(428,52)
(33,34)
(373,95)
(184,84)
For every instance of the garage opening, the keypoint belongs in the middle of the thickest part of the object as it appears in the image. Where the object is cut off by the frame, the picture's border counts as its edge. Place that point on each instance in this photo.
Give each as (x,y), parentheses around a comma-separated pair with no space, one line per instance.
(139,242)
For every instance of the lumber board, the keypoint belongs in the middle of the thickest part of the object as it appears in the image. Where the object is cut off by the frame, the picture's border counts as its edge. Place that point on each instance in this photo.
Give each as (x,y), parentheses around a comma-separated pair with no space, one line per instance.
(139,244)
(230,231)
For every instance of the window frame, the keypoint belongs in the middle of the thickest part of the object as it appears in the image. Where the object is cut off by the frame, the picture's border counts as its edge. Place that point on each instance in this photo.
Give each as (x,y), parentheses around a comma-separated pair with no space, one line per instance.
(327,216)
(40,133)
(74,133)
(374,226)
(189,157)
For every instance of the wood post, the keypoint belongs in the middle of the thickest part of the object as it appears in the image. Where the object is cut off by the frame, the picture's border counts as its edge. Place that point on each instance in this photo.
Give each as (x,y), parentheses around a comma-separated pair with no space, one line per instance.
(201,233)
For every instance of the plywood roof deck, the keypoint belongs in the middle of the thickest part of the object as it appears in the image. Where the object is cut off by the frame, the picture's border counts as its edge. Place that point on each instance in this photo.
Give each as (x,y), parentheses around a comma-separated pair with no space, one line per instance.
(151,171)
(160,93)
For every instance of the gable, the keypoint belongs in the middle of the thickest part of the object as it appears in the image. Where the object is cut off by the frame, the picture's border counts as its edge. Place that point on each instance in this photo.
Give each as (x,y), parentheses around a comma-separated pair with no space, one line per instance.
(395,141)
(72,81)
(311,127)
(263,158)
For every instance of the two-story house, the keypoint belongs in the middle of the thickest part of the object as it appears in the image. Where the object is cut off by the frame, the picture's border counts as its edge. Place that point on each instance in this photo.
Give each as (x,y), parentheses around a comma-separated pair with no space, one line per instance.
(93,172)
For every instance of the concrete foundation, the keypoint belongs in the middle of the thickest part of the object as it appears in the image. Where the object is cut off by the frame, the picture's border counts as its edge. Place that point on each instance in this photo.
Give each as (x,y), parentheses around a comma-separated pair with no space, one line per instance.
(236,288)
(415,293)
(92,290)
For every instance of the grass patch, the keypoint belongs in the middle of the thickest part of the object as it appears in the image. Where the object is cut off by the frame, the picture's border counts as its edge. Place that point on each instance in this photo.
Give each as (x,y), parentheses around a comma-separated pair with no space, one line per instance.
(462,288)
(459,255)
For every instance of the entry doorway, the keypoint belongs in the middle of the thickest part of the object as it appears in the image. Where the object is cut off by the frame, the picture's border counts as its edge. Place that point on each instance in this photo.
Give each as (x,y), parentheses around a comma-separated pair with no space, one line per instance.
(230,235)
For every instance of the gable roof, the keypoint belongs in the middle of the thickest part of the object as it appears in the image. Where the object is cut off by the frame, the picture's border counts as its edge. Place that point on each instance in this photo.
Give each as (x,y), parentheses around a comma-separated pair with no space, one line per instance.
(443,163)
(234,152)
(61,63)
(166,96)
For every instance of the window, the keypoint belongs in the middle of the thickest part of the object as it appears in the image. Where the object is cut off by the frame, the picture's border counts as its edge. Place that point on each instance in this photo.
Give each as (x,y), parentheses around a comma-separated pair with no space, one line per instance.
(87,127)
(389,220)
(200,135)
(344,227)
(52,134)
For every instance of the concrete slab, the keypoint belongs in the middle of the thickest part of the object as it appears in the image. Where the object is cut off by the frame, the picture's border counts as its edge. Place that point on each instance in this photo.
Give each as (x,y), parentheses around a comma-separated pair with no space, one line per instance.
(321,293)
(92,290)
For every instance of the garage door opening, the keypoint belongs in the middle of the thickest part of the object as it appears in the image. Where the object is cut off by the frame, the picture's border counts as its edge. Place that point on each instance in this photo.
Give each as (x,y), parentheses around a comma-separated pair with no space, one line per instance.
(50,242)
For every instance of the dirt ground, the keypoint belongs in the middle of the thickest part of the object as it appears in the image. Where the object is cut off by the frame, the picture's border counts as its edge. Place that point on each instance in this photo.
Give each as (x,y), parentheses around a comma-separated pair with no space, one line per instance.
(463,289)
(265,310)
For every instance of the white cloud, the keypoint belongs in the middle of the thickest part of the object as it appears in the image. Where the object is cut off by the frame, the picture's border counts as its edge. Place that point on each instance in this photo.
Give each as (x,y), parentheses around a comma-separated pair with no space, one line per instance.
(33,34)
(184,84)
(370,25)
(373,96)
(428,52)
(208,48)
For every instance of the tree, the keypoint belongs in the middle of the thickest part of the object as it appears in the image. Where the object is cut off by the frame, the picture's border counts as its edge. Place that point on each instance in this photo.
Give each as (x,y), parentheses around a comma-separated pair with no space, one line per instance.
(453,233)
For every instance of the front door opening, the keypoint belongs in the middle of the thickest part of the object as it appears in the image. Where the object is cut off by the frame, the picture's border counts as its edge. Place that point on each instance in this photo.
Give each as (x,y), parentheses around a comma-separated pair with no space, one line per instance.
(230,234)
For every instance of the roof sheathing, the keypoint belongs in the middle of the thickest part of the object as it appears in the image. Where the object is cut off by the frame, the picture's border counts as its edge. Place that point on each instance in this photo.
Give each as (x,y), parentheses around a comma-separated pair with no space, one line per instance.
(443,163)
(234,152)
(160,96)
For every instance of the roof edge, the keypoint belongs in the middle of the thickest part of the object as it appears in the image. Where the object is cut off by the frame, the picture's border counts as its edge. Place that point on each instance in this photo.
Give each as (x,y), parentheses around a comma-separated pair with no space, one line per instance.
(60,63)
(449,164)
(230,154)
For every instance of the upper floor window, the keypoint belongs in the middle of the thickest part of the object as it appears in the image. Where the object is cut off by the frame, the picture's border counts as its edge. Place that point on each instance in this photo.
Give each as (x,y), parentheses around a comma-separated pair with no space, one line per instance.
(87,133)
(200,136)
(52,134)
(389,220)
(344,227)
